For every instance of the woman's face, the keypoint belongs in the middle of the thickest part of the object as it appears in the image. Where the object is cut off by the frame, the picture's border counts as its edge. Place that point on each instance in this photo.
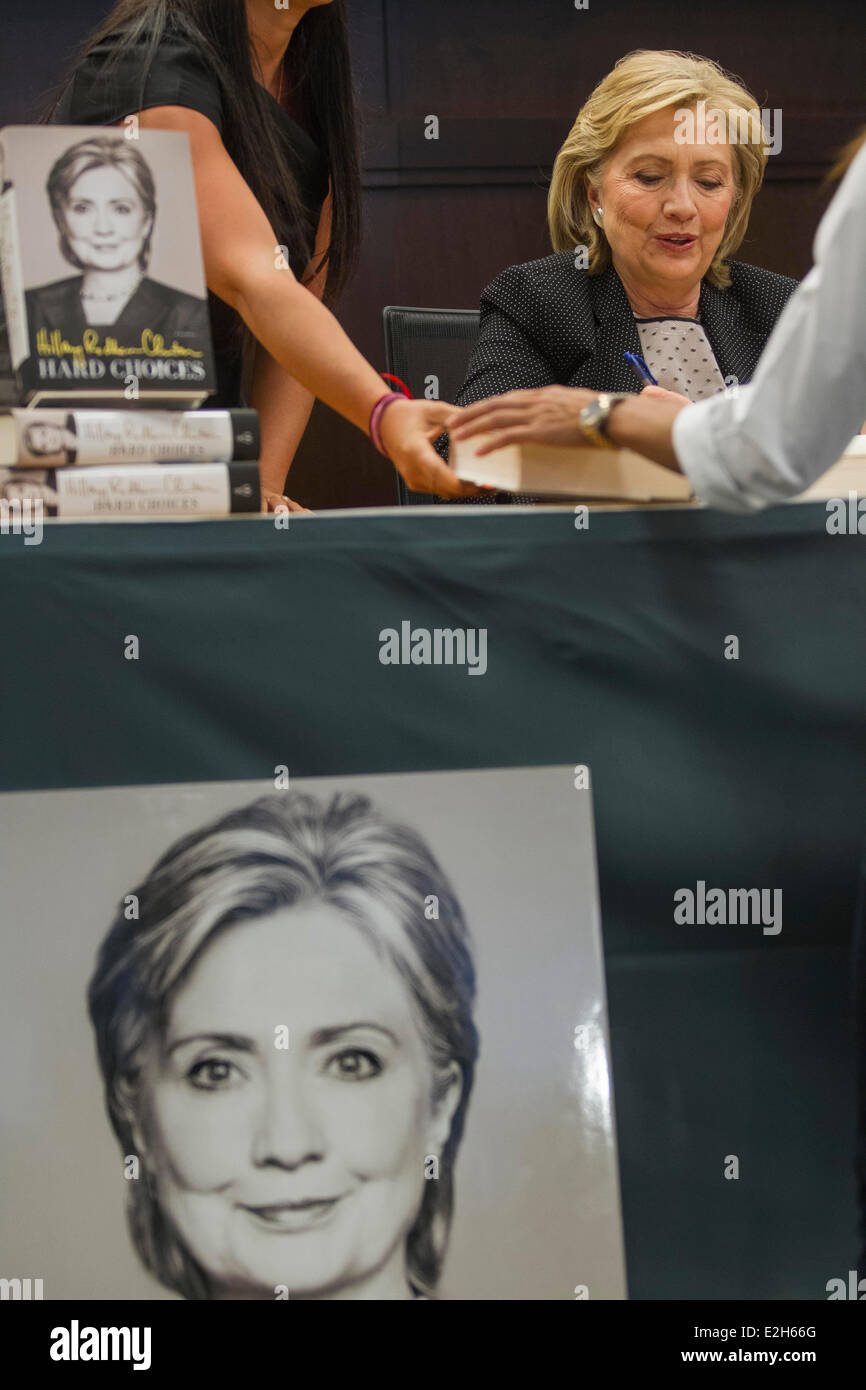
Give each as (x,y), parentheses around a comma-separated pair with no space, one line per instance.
(23,485)
(106,221)
(44,439)
(300,1166)
(665,205)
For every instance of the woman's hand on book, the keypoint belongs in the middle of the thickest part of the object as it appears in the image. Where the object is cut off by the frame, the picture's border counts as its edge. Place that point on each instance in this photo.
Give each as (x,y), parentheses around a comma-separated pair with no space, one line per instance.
(408,429)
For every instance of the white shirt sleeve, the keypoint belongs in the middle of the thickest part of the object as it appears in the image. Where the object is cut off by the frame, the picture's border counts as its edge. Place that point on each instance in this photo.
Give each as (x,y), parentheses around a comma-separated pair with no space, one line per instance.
(771,439)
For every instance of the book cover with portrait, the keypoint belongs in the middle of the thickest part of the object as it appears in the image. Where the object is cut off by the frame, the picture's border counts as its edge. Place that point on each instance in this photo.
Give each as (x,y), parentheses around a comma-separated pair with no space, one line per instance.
(101,267)
(327,1038)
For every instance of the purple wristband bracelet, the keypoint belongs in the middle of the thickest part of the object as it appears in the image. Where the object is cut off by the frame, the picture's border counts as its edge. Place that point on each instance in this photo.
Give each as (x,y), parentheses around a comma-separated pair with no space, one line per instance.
(376,416)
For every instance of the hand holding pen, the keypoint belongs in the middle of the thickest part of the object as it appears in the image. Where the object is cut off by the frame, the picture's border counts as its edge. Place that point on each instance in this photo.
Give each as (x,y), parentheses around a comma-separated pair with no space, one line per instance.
(648,381)
(640,369)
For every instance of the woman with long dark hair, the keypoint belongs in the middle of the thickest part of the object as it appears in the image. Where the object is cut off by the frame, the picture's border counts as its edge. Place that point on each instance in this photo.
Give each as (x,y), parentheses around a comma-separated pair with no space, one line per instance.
(264,93)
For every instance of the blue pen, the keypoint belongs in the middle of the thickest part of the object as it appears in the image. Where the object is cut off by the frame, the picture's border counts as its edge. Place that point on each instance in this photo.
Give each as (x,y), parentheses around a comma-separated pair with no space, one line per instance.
(640,369)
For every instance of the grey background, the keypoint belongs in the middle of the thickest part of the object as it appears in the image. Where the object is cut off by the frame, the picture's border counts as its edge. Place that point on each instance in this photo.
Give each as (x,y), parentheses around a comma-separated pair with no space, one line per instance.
(537,1195)
(175,258)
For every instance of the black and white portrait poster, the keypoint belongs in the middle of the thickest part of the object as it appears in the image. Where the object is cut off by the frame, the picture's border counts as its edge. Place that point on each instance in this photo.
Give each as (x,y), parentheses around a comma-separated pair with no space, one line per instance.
(298,1039)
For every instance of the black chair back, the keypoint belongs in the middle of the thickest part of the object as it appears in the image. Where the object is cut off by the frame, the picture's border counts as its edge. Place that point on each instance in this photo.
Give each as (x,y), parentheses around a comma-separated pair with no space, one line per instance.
(429,350)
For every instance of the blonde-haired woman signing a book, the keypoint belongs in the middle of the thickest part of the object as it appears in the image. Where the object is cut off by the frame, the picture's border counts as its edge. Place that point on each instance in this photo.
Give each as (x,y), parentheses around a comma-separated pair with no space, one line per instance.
(771,439)
(265,96)
(650,199)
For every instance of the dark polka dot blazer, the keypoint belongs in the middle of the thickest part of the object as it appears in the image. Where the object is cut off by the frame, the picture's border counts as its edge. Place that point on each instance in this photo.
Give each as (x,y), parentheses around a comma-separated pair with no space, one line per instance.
(546,323)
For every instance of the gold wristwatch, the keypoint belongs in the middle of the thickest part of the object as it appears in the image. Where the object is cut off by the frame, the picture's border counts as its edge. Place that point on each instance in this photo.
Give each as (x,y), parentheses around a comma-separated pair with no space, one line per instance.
(594,417)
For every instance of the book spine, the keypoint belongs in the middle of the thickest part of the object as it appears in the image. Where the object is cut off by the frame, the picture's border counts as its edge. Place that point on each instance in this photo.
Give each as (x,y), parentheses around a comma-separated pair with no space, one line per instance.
(10,275)
(140,490)
(246,434)
(46,438)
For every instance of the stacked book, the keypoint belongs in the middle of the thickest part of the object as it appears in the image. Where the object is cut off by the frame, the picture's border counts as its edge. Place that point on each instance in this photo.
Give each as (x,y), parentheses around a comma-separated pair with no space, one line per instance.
(131,463)
(106,358)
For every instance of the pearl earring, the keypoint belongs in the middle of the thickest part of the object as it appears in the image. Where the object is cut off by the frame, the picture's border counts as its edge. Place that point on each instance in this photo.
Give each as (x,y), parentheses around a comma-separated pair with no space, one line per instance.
(597,216)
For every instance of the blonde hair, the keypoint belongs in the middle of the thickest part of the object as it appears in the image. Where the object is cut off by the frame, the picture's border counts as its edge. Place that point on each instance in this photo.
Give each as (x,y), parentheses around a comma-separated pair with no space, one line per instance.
(640,84)
(846,157)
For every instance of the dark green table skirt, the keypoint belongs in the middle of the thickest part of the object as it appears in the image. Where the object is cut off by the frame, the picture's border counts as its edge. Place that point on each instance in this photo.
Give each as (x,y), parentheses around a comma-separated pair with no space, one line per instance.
(607,647)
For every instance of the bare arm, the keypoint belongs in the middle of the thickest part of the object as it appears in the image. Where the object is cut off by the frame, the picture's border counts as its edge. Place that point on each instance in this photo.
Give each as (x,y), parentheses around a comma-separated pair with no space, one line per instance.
(283,404)
(646,425)
(243,268)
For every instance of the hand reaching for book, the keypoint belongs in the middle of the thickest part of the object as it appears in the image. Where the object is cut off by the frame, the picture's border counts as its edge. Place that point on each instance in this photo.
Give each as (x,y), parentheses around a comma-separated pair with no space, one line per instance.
(545,415)
(408,430)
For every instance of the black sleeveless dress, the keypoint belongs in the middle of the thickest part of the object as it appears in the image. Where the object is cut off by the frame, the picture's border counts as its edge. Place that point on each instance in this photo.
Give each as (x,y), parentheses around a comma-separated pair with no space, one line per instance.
(180,77)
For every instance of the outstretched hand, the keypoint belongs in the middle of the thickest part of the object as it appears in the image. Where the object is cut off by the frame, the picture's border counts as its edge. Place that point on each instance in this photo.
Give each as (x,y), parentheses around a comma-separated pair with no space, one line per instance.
(408,429)
(546,415)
